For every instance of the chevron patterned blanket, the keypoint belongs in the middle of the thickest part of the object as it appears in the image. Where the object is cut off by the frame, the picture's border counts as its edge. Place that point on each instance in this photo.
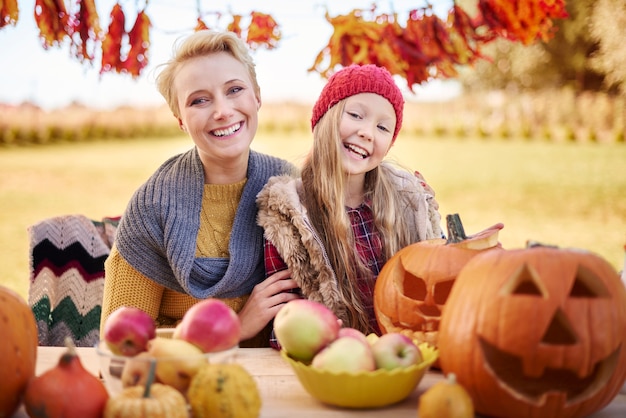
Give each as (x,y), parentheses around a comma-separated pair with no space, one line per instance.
(67,255)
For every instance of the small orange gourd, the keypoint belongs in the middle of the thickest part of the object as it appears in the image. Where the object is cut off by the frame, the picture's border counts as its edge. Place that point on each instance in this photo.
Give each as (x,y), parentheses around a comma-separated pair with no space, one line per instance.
(154,400)
(66,391)
(18,349)
(445,399)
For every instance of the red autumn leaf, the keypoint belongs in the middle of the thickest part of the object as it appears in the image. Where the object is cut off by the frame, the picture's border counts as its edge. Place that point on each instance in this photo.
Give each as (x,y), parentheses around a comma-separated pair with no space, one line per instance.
(112,42)
(86,30)
(139,39)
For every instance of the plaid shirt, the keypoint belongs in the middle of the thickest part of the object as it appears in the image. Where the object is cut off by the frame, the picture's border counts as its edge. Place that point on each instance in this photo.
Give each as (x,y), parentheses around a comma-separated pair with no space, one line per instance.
(369,248)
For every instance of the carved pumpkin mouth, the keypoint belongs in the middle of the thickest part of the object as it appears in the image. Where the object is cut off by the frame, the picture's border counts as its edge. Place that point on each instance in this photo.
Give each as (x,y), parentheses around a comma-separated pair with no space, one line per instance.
(508,370)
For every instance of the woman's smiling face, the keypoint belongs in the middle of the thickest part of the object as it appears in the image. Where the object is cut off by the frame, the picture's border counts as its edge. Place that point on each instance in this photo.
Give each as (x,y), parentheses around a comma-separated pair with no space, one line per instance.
(218,105)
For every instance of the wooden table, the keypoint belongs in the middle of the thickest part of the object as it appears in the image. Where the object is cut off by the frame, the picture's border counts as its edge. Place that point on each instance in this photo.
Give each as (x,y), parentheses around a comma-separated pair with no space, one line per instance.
(281,392)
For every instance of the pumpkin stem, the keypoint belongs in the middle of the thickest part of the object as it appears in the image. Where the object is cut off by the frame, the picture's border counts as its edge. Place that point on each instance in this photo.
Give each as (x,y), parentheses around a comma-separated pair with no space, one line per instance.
(533,244)
(150,379)
(71,347)
(456,232)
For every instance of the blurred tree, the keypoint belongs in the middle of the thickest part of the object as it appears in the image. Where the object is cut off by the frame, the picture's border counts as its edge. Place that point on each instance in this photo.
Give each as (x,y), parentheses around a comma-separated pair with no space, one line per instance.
(585,53)
(608,27)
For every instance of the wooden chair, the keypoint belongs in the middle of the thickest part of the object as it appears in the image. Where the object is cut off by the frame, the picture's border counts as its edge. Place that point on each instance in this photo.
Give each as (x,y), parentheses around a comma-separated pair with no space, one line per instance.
(67,255)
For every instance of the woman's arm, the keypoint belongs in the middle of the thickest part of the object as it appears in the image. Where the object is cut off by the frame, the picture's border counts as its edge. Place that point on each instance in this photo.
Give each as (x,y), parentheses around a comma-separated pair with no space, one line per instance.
(125,286)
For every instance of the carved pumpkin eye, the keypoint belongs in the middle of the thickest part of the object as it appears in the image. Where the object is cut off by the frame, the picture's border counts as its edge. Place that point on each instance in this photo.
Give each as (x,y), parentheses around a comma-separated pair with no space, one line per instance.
(588,285)
(442,290)
(414,287)
(525,281)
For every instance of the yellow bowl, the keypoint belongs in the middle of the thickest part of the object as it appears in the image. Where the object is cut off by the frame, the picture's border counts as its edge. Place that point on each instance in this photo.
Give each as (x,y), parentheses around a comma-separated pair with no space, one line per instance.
(364,389)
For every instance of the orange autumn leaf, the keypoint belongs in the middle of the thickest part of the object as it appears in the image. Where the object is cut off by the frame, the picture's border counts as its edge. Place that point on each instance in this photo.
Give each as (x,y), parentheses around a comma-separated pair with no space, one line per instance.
(263,30)
(200,25)
(9,12)
(52,20)
(235,25)
(525,20)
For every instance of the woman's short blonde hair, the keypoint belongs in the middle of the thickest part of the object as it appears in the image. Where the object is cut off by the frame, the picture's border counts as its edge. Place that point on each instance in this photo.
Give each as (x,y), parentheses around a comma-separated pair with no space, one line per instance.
(199,44)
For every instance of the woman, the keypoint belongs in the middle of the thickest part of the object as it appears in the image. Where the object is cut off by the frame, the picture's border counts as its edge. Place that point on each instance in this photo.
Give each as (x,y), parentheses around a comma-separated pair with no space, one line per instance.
(190,232)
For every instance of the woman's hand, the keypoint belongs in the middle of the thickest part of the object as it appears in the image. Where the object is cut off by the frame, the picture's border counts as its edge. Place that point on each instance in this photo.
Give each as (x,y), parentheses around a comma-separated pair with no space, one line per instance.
(265,301)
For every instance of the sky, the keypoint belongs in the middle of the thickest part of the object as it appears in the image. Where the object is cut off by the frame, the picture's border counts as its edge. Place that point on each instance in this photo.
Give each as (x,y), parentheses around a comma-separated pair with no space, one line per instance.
(53,79)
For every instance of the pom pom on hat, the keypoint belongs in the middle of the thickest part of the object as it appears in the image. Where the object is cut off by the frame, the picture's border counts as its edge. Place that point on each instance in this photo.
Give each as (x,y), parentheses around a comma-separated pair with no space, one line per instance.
(356,79)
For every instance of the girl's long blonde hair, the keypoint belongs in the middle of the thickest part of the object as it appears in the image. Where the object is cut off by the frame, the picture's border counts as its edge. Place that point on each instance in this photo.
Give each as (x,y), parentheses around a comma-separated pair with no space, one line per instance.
(324,181)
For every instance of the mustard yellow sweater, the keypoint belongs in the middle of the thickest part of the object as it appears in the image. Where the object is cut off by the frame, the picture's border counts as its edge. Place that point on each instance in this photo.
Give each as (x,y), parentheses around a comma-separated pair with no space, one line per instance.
(125,286)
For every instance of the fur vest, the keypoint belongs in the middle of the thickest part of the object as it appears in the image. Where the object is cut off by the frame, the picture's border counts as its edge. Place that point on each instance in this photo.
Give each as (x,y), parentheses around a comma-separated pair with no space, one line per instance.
(287,226)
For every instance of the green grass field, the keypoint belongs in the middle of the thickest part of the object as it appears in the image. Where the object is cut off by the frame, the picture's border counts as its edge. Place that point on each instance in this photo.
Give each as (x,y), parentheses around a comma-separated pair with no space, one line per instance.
(566,194)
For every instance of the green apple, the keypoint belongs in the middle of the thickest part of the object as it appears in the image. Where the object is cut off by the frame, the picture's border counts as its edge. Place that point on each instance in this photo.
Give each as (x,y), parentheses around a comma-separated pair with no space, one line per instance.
(303,327)
(346,354)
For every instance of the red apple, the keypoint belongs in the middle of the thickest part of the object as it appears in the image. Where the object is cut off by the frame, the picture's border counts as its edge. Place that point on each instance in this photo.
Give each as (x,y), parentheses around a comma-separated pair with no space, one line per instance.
(211,325)
(346,354)
(303,327)
(395,350)
(127,331)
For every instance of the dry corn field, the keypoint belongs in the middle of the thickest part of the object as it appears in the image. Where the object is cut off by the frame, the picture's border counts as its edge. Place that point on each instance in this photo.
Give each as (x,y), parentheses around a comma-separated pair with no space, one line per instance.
(548,178)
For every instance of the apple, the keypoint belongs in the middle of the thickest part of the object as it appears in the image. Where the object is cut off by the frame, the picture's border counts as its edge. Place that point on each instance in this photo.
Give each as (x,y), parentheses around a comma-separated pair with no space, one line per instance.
(395,350)
(345,354)
(178,361)
(211,325)
(127,331)
(303,327)
(352,332)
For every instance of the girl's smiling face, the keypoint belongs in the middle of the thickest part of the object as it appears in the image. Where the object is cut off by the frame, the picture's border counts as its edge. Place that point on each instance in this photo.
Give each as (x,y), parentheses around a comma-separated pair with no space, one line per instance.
(218,105)
(366,130)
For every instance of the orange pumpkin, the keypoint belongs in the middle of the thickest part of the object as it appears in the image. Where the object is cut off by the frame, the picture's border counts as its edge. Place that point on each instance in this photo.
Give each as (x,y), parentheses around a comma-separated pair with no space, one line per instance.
(413,286)
(18,350)
(536,332)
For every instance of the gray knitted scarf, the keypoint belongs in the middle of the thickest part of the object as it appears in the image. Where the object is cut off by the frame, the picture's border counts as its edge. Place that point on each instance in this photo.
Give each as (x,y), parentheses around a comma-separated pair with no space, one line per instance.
(157,233)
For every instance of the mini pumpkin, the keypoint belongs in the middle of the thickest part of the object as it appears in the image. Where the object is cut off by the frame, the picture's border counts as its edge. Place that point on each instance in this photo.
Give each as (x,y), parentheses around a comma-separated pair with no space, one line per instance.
(154,400)
(413,286)
(536,332)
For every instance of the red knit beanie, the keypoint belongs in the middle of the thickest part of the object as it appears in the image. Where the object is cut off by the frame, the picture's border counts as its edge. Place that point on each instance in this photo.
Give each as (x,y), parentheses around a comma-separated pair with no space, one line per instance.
(356,79)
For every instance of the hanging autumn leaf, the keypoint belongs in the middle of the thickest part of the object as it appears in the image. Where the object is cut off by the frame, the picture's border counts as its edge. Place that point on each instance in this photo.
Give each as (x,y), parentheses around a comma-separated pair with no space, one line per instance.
(112,42)
(9,12)
(86,30)
(235,25)
(525,20)
(139,40)
(200,25)
(52,20)
(263,31)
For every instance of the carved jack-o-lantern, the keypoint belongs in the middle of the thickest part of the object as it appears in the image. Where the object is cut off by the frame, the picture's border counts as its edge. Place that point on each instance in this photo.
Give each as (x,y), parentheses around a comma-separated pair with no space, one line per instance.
(536,332)
(414,284)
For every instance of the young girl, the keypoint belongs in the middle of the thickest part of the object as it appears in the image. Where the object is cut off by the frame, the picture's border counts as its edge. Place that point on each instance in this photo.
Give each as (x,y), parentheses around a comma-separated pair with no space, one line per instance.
(350,211)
